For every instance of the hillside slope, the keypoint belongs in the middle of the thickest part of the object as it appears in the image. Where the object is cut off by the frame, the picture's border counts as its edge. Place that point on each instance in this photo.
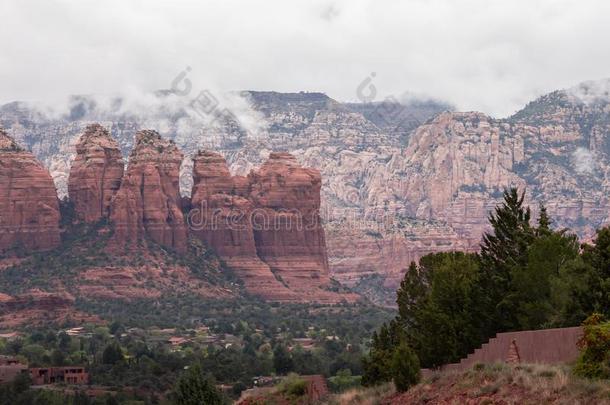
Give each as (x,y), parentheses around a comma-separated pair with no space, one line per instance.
(502,384)
(525,384)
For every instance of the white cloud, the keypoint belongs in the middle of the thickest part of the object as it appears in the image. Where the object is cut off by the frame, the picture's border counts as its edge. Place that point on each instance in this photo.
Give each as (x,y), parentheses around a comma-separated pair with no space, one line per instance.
(484,55)
(584,161)
(591,91)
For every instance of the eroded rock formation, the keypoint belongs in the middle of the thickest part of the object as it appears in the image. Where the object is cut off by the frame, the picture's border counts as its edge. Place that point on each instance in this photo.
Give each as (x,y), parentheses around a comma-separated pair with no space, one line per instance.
(287,227)
(29,209)
(96,174)
(148,203)
(220,217)
(266,227)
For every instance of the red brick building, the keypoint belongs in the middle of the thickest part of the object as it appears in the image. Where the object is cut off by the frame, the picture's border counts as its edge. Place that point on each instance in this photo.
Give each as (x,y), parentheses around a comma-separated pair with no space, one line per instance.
(51,375)
(10,368)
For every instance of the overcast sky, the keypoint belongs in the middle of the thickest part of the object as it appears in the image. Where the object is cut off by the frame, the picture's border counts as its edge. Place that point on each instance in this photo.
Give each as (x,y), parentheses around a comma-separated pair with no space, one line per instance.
(485,55)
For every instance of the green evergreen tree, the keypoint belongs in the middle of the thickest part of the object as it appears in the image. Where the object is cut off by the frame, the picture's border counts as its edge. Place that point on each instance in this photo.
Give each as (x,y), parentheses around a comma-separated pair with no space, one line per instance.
(376,366)
(411,294)
(282,361)
(112,354)
(443,308)
(533,285)
(193,388)
(405,368)
(503,251)
(544,222)
(597,260)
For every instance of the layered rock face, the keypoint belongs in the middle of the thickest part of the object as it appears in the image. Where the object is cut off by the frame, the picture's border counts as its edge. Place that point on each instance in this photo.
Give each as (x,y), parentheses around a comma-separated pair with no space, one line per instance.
(348,143)
(287,227)
(359,252)
(266,227)
(29,209)
(96,174)
(398,181)
(221,218)
(220,208)
(148,203)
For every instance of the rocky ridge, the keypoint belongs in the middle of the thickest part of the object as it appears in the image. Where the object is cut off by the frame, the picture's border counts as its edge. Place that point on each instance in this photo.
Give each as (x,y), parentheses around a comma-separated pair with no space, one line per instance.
(281,259)
(399,194)
(29,209)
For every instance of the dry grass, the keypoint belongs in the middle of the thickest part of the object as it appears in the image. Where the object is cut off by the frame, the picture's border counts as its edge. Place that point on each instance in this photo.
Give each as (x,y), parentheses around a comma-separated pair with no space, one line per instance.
(490,384)
(522,384)
(363,396)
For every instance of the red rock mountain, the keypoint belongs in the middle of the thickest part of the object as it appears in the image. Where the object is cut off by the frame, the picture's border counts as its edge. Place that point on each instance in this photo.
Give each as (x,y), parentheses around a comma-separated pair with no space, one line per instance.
(287,226)
(266,227)
(96,174)
(220,217)
(148,202)
(29,209)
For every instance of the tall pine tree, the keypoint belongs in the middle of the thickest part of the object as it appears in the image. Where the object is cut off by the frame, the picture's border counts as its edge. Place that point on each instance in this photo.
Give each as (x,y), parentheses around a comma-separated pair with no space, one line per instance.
(544,222)
(505,250)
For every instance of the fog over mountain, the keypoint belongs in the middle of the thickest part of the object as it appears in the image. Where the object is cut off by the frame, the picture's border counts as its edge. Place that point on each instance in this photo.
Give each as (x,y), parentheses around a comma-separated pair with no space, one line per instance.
(476,55)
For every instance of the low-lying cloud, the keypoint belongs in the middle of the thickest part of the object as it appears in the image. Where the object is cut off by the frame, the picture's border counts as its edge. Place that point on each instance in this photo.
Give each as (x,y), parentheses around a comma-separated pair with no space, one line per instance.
(475,54)
(591,91)
(584,161)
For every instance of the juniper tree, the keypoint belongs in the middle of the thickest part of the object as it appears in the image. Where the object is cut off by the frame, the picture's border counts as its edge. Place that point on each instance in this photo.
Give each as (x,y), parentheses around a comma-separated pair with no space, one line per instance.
(504,250)
(193,388)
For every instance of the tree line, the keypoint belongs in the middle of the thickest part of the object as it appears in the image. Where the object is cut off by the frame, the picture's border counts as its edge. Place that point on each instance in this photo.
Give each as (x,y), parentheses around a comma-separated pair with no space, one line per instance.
(526,276)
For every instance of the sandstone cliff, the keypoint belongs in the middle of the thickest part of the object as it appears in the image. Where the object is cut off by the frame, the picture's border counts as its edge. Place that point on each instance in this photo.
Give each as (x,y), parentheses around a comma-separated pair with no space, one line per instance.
(29,209)
(220,217)
(148,202)
(320,132)
(266,227)
(287,227)
(399,187)
(96,174)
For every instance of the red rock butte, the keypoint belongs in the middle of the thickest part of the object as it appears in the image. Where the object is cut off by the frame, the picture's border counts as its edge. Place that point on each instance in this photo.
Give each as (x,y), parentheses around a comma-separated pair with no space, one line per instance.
(287,226)
(266,227)
(148,203)
(96,174)
(221,219)
(29,208)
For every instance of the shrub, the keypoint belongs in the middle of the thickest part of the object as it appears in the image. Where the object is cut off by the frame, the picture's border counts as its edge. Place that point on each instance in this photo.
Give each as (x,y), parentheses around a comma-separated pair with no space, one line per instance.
(594,360)
(293,386)
(193,388)
(112,354)
(343,381)
(405,368)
